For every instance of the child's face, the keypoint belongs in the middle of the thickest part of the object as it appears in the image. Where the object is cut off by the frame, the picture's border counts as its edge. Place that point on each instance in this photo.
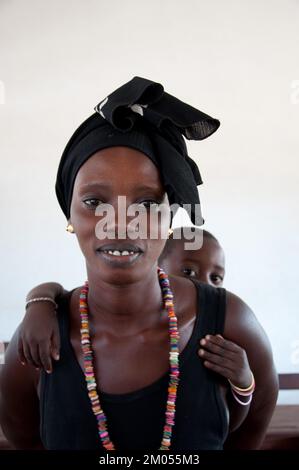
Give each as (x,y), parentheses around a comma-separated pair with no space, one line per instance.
(206,264)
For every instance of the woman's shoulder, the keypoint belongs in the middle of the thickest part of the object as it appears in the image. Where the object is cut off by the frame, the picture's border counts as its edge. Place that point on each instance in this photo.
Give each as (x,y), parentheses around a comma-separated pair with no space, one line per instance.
(243,327)
(240,318)
(66,295)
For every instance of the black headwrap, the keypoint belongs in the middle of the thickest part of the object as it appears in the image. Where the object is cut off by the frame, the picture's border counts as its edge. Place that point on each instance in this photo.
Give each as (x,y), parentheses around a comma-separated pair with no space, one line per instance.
(141,115)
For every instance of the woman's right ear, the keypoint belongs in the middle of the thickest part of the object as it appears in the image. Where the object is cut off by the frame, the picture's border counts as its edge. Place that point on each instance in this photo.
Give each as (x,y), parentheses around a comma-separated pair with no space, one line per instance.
(70,228)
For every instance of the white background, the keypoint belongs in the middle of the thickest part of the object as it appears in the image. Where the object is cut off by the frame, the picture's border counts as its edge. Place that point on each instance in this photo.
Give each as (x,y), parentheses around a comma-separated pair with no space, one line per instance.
(237,60)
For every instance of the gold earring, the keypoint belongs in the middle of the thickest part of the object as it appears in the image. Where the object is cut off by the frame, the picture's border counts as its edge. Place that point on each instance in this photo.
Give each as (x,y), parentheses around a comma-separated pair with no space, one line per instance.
(170,232)
(70,228)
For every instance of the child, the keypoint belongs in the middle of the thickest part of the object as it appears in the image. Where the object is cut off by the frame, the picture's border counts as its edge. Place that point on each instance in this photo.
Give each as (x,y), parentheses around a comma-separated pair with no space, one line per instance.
(206,264)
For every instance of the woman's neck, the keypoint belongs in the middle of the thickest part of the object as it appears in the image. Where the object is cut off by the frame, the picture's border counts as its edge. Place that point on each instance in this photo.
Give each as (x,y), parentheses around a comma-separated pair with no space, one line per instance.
(129,307)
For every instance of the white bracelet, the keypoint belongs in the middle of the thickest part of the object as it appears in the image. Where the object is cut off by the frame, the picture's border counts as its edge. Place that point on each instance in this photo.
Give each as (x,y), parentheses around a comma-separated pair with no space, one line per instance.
(41,299)
(239,401)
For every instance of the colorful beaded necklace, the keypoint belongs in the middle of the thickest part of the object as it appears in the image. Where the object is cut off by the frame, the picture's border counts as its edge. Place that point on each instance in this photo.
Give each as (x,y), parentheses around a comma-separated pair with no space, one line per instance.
(173,364)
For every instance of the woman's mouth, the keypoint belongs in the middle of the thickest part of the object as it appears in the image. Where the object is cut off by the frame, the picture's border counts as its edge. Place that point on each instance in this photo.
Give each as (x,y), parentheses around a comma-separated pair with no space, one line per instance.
(121,256)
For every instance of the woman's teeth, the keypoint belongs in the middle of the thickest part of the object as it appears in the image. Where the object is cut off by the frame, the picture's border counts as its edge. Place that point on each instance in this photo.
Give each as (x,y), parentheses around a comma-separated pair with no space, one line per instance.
(120,253)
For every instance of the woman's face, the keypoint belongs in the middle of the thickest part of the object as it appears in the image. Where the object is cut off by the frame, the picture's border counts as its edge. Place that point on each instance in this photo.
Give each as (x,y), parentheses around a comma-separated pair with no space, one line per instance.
(108,174)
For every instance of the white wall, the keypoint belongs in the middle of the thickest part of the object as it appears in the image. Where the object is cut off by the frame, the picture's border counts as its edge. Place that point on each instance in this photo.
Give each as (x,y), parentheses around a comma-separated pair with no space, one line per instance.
(236,60)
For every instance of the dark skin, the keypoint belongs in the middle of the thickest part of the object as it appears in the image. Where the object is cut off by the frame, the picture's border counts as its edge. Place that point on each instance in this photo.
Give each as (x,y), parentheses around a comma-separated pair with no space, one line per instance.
(122,324)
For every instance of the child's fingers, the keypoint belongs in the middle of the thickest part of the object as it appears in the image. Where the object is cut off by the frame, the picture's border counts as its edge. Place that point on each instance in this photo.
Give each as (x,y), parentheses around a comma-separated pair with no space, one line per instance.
(225,343)
(217,368)
(216,348)
(216,359)
(222,342)
(55,349)
(45,356)
(31,354)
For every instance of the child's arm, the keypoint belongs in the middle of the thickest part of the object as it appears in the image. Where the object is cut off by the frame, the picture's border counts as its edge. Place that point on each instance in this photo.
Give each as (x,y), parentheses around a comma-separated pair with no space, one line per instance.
(48,289)
(229,360)
(39,339)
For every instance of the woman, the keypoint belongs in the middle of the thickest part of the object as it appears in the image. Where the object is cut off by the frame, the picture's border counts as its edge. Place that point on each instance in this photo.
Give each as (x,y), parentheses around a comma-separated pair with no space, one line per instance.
(134,375)
(206,264)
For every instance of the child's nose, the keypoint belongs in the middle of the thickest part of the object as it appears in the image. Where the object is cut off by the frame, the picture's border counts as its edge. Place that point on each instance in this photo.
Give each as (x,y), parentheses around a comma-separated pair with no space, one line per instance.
(204,277)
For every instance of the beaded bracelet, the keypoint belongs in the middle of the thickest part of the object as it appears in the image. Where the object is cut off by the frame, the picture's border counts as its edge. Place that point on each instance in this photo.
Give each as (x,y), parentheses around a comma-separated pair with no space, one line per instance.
(41,299)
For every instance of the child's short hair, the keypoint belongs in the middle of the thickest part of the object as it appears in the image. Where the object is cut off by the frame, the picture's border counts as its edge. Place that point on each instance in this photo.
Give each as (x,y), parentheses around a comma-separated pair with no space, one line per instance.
(174,236)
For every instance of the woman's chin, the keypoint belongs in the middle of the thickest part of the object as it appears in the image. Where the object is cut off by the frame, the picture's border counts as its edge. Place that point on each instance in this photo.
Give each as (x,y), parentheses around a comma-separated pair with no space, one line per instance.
(119,270)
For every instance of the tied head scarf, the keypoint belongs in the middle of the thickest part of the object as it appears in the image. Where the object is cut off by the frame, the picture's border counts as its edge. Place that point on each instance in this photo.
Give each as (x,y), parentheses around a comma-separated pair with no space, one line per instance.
(141,115)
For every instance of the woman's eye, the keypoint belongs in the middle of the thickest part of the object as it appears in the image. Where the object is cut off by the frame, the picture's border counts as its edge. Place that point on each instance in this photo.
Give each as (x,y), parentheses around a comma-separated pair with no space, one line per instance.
(216,279)
(189,272)
(149,204)
(92,202)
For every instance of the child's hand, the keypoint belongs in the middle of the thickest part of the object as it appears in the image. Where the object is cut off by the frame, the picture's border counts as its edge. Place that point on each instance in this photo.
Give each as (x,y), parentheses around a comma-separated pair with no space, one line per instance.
(226,358)
(39,338)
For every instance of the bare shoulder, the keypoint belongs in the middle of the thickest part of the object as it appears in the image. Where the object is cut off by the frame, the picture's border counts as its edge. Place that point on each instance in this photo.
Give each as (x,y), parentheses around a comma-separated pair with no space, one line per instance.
(243,328)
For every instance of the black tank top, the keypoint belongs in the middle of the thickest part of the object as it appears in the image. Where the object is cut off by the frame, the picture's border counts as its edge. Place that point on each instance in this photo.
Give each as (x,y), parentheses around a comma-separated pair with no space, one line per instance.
(136,419)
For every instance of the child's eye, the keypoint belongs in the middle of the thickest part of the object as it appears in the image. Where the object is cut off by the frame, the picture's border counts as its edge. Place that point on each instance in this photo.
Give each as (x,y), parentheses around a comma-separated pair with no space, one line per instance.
(92,202)
(216,279)
(189,272)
